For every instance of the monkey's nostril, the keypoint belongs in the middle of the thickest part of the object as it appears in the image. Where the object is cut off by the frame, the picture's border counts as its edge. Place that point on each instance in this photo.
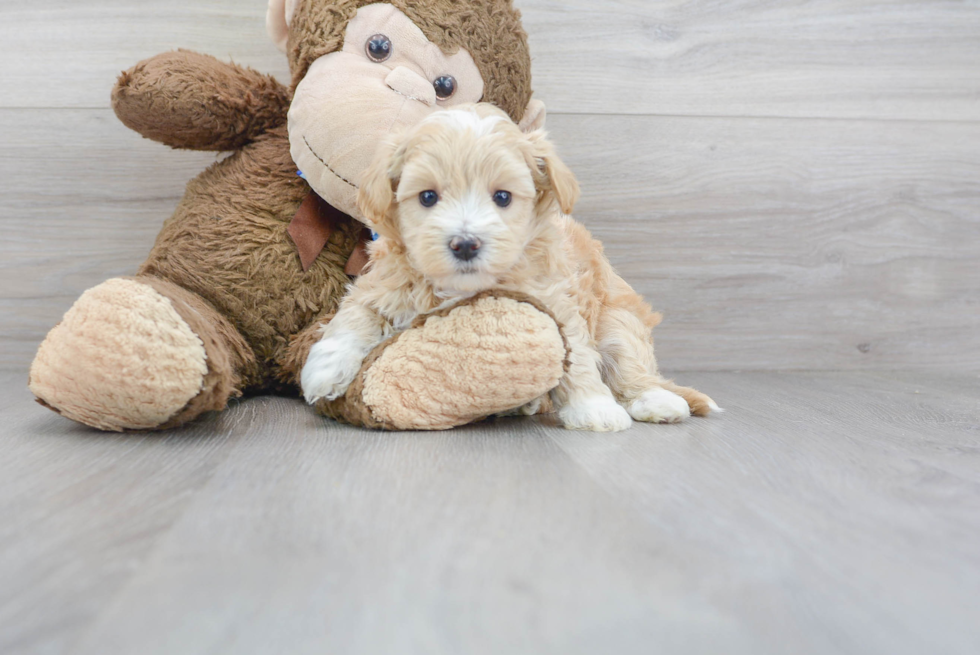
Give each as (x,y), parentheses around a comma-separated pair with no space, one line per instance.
(465,248)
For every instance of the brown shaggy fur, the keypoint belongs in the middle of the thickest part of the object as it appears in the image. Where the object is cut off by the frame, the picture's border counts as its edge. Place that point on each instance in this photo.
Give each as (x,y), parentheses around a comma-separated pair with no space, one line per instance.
(188,100)
(227,242)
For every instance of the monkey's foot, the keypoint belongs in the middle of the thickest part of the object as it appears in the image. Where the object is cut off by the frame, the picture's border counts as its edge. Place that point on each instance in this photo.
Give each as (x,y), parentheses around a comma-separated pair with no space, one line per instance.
(135,354)
(489,354)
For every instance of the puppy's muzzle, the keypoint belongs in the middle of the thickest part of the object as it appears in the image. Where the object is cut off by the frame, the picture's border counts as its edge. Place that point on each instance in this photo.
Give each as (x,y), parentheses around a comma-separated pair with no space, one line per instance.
(465,248)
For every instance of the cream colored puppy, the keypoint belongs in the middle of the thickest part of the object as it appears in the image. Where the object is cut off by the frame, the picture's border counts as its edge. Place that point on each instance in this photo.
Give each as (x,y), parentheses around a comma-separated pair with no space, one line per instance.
(466,202)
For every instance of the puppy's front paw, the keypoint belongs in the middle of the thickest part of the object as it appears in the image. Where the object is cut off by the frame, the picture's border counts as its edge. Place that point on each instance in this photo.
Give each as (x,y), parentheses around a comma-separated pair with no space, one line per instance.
(598,413)
(330,368)
(659,406)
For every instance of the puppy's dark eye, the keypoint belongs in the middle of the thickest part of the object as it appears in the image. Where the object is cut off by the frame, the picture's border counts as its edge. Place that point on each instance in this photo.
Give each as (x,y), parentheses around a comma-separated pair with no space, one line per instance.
(378,47)
(428,198)
(445,87)
(502,198)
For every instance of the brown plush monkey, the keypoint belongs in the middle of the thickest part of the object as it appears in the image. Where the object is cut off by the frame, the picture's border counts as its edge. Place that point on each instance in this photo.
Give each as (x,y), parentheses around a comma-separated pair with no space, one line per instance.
(252,263)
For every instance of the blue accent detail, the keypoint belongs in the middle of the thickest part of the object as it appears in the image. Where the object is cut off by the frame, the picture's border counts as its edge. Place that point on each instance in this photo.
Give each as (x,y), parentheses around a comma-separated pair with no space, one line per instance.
(300,173)
(374,235)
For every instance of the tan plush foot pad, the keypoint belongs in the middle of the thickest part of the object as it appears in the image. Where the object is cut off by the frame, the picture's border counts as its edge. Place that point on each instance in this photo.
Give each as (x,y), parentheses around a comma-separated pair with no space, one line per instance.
(121,358)
(489,354)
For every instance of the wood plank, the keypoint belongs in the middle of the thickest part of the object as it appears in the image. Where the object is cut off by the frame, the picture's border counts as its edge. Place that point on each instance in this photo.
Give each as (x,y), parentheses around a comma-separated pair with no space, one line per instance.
(778,244)
(316,538)
(827,512)
(769,244)
(69,54)
(901,59)
(80,511)
(820,504)
(80,156)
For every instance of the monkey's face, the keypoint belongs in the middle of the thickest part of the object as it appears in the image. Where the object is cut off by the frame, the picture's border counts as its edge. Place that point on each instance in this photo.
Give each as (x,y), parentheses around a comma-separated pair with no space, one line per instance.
(388,76)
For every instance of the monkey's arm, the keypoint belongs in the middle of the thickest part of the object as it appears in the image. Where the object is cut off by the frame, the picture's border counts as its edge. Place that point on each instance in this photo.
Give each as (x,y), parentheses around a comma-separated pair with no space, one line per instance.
(188,100)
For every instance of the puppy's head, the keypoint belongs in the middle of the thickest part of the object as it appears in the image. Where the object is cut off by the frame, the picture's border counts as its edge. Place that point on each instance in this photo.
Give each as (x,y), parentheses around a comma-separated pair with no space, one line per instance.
(464,192)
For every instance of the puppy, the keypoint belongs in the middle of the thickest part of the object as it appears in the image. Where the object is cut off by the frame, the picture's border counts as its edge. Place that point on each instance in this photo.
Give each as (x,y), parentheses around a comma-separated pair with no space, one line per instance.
(466,202)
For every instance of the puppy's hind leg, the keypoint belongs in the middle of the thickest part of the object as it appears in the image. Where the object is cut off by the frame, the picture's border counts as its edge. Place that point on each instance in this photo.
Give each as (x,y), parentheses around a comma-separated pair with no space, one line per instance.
(630,369)
(583,401)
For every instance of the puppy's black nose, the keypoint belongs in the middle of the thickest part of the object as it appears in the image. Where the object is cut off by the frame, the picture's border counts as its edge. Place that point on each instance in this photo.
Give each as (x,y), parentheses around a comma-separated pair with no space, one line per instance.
(465,248)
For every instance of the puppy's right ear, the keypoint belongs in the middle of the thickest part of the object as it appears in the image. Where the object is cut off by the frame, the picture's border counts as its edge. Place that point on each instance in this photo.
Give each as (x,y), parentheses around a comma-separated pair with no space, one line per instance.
(376,195)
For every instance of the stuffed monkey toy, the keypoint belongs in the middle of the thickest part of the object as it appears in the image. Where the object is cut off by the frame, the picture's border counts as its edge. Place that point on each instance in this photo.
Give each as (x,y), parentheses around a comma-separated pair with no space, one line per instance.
(259,251)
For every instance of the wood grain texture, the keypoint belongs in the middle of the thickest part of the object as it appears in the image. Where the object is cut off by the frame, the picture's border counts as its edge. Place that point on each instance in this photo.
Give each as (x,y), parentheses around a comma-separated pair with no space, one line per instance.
(68,54)
(768,244)
(774,244)
(823,513)
(898,59)
(901,59)
(821,500)
(81,510)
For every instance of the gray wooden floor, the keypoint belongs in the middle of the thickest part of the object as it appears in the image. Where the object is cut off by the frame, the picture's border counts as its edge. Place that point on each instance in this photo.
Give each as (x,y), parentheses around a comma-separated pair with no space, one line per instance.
(824,513)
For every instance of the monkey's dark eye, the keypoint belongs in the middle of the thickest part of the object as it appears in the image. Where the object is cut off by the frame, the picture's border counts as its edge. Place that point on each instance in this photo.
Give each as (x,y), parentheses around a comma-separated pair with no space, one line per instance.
(502,198)
(428,198)
(445,87)
(378,47)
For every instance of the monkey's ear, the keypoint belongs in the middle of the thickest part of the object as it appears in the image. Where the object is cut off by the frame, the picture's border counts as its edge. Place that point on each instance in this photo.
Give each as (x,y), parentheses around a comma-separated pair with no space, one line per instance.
(534,117)
(553,175)
(277,20)
(376,195)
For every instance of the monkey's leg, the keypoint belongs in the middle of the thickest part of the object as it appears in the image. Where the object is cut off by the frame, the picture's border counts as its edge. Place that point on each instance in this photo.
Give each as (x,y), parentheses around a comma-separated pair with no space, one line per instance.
(487,355)
(139,353)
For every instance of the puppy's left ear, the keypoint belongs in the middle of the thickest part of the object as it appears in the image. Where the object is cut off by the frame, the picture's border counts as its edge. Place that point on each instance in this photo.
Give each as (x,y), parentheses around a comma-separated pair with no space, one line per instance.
(376,195)
(555,176)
